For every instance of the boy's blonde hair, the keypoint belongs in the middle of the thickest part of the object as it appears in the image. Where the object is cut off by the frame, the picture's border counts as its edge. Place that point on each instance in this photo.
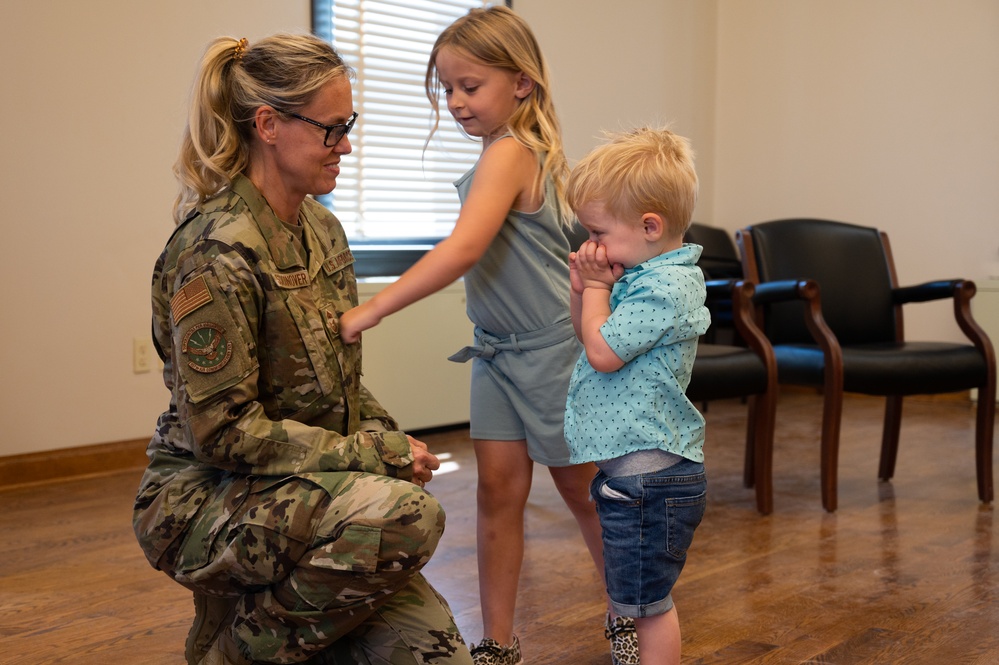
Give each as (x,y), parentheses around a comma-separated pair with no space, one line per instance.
(647,170)
(497,37)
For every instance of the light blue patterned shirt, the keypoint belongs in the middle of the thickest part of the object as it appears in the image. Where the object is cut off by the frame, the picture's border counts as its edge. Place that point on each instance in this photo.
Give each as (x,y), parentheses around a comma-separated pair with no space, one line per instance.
(657,314)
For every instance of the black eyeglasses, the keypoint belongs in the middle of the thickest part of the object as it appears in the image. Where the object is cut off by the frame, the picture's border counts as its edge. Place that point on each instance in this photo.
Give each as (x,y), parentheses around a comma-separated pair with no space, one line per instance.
(333,132)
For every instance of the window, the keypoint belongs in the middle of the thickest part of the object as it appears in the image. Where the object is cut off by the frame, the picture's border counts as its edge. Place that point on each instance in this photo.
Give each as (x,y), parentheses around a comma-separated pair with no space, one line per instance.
(390,188)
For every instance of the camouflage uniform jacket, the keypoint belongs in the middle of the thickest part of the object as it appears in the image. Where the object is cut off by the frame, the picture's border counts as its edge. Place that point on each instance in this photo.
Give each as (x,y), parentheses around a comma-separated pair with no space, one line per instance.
(245,318)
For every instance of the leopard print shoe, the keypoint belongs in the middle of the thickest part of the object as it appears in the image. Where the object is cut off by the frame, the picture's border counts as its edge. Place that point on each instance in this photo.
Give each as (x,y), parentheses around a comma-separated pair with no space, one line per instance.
(491,652)
(623,640)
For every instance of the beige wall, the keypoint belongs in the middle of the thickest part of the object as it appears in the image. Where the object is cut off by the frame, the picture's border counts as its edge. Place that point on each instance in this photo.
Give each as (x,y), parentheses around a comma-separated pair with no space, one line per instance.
(629,63)
(94,101)
(882,113)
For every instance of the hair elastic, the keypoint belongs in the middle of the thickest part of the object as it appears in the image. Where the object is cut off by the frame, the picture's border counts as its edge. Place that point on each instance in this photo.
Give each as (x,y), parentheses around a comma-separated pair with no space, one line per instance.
(240,49)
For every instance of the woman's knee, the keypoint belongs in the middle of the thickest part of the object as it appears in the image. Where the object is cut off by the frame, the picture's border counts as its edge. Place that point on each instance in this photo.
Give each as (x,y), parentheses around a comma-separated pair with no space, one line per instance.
(366,552)
(406,520)
(415,523)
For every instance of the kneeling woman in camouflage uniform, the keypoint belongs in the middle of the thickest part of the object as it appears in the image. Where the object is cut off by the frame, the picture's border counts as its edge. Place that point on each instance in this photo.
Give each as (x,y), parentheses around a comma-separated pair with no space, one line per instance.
(278,490)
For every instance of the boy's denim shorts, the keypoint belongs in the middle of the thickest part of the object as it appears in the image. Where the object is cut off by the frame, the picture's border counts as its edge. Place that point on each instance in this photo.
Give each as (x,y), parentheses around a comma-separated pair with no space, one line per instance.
(648,523)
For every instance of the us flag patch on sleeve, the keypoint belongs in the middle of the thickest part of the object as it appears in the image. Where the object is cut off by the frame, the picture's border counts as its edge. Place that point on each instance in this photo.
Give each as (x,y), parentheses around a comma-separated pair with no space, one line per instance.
(191,296)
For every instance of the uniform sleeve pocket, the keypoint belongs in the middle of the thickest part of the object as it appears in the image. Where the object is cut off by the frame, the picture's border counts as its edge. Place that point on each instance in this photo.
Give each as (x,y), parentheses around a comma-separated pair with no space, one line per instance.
(211,348)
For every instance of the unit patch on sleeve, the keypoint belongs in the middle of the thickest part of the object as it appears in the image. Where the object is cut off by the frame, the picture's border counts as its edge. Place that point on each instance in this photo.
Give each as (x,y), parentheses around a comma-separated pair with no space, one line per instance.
(206,348)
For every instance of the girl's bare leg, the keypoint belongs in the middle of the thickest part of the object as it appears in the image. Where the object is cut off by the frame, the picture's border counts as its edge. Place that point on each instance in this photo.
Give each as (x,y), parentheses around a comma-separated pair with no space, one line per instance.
(573,484)
(504,482)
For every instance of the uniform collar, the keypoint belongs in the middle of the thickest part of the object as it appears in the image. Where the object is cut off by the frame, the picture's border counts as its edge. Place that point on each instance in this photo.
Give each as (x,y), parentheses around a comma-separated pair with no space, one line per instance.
(286,250)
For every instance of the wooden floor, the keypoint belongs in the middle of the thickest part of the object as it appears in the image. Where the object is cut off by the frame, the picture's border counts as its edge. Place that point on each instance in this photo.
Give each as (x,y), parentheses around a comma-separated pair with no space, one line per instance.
(904,572)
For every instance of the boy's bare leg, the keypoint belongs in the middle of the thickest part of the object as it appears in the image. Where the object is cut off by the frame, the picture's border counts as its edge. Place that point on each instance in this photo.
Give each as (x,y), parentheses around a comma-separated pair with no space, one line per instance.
(659,639)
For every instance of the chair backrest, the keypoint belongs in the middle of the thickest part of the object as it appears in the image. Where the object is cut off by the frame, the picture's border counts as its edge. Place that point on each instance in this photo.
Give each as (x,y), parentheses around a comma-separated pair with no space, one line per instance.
(850,265)
(719,258)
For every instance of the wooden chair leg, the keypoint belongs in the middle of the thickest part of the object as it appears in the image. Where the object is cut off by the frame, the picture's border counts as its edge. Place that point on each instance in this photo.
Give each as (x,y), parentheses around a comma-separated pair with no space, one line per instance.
(832,412)
(889,437)
(749,463)
(984,430)
(764,407)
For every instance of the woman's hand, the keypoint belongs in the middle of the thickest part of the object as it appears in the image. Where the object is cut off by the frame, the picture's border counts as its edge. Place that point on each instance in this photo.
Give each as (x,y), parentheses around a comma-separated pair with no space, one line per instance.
(424,462)
(354,321)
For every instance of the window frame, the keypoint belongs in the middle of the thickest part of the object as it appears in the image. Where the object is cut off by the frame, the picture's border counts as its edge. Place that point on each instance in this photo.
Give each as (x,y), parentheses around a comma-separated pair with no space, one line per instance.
(385,255)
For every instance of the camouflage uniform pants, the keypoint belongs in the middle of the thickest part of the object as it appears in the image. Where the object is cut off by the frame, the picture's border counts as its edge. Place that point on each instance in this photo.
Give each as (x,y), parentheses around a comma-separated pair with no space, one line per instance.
(323,566)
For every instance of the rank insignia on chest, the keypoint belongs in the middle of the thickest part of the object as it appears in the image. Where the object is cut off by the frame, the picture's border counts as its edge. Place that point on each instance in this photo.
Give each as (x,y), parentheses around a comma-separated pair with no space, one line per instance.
(206,348)
(333,321)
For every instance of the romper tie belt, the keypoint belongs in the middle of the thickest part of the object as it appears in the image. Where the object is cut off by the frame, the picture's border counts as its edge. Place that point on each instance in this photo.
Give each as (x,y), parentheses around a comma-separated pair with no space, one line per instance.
(488,345)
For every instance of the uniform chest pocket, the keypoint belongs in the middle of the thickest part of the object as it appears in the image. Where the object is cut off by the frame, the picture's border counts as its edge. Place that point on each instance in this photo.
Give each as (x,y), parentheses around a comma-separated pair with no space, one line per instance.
(301,364)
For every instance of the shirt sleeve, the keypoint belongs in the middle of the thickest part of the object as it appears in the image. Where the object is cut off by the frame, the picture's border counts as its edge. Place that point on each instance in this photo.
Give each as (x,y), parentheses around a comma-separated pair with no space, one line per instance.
(374,417)
(214,329)
(644,318)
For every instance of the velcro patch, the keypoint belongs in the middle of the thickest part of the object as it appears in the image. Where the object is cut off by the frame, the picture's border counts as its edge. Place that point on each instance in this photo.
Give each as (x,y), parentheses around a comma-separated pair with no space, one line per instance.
(338,261)
(292,280)
(190,297)
(332,321)
(206,348)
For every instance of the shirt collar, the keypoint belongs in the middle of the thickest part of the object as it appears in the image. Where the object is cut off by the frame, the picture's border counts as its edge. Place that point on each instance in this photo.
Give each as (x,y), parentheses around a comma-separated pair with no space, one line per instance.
(286,251)
(685,255)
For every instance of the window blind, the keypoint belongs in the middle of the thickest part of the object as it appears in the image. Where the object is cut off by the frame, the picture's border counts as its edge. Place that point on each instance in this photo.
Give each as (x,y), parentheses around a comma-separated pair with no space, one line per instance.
(389,187)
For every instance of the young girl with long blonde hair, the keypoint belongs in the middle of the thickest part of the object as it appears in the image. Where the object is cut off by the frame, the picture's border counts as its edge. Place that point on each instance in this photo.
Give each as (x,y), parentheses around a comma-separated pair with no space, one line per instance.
(510,244)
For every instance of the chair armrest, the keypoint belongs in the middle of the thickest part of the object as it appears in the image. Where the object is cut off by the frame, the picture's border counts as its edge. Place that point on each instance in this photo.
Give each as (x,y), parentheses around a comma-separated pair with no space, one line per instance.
(768,293)
(808,290)
(962,291)
(743,318)
(720,289)
(937,290)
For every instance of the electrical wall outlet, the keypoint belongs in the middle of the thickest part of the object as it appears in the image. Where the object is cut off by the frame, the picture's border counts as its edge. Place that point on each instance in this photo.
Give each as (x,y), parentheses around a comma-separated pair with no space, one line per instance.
(142,355)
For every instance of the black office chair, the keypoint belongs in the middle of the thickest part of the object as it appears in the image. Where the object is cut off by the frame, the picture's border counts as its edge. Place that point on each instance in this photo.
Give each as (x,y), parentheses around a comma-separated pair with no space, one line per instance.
(719,260)
(851,338)
(719,255)
(725,371)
